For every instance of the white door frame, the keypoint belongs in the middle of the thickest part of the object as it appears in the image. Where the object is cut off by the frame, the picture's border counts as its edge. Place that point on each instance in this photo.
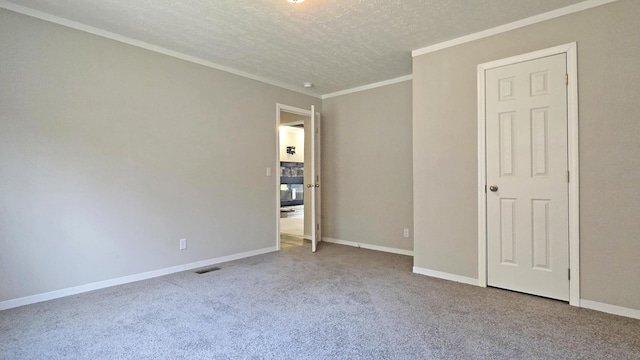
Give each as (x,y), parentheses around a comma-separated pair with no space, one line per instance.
(293,110)
(573,151)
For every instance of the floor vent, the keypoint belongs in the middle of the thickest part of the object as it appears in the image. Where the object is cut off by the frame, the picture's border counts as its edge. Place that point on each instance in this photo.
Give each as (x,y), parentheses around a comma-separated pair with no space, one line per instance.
(207,270)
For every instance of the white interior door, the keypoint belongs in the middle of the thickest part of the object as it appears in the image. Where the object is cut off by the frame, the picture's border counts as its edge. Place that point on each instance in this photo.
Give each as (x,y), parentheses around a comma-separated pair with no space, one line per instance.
(527,177)
(316,232)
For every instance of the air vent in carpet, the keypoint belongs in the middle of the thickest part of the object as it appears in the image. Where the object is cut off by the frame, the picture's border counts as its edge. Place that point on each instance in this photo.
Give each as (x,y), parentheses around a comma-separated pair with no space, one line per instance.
(206,270)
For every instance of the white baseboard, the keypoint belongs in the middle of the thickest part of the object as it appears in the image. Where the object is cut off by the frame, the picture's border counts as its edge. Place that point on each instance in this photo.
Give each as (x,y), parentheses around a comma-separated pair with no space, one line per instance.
(369,246)
(445,276)
(587,304)
(611,309)
(8,304)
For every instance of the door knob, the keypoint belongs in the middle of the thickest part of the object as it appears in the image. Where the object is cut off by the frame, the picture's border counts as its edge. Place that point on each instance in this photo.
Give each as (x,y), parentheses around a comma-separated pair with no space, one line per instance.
(493,188)
(309,185)
(317,185)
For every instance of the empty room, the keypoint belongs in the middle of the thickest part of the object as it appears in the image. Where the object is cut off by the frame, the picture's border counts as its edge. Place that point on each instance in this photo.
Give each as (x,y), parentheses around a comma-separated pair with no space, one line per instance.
(319,179)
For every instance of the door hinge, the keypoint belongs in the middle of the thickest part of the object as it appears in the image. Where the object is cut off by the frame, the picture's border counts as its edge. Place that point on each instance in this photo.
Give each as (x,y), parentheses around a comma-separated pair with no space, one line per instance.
(568,176)
(569,274)
(485,188)
(318,227)
(566,79)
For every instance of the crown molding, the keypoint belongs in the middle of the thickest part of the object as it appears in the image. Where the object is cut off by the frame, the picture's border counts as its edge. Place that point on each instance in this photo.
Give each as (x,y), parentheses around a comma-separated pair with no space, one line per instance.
(141,44)
(585,5)
(368,87)
(588,4)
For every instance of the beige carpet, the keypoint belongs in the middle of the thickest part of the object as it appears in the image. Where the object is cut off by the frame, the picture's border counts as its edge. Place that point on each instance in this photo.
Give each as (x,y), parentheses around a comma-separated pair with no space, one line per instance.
(338,303)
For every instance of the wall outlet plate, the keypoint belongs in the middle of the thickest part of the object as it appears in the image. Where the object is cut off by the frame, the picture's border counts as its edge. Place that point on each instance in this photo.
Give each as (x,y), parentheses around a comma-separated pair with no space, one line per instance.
(406,233)
(183,244)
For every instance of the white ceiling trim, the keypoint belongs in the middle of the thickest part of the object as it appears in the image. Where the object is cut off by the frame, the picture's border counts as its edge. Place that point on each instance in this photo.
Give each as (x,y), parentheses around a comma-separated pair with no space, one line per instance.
(588,4)
(368,87)
(310,92)
(141,44)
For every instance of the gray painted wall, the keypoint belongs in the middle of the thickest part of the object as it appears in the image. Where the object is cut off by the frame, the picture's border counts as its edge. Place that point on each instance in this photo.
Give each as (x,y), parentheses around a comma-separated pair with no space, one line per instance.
(366,163)
(445,147)
(109,154)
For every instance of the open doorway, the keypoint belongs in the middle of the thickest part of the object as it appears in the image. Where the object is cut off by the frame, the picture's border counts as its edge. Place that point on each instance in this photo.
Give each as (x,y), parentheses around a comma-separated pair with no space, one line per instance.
(294,227)
(291,180)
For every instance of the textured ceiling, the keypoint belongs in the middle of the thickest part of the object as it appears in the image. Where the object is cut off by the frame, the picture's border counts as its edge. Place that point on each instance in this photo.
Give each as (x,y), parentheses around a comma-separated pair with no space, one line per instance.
(336,44)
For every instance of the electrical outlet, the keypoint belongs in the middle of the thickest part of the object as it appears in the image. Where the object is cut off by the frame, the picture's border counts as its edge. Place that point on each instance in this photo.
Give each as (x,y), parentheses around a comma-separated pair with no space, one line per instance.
(406,233)
(183,244)
(268,171)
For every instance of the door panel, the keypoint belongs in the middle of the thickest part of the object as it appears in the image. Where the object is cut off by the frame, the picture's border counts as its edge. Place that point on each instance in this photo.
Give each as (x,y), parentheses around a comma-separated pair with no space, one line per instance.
(527,214)
(507,230)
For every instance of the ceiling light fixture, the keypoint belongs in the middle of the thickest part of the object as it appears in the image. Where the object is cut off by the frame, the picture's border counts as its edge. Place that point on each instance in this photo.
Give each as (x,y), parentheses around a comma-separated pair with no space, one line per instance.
(295,1)
(307,84)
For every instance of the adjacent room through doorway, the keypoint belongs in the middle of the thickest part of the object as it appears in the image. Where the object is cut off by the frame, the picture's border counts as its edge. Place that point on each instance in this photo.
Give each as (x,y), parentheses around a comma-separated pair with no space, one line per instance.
(292,156)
